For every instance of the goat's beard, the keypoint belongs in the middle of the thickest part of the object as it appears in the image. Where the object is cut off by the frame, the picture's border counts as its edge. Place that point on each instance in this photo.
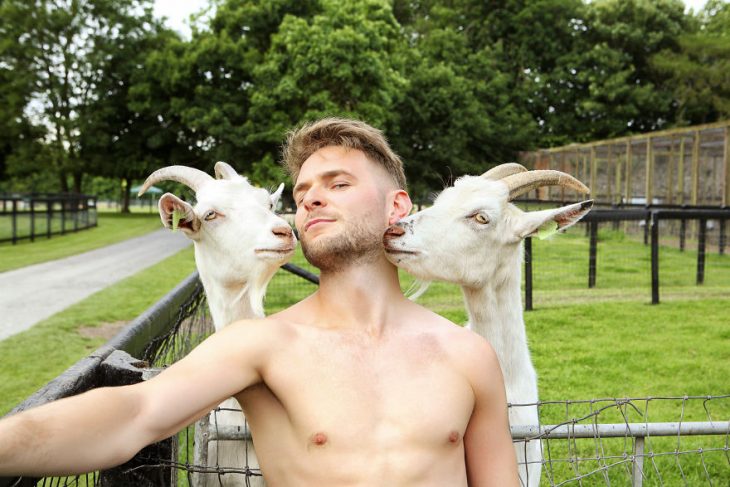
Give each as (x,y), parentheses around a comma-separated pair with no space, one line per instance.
(357,244)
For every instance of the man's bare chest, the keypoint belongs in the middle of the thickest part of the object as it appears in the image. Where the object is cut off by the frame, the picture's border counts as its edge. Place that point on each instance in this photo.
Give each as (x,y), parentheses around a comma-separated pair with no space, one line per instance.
(389,393)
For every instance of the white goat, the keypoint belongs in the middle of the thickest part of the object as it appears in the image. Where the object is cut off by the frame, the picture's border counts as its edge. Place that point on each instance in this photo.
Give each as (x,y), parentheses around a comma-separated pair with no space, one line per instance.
(472,236)
(239,244)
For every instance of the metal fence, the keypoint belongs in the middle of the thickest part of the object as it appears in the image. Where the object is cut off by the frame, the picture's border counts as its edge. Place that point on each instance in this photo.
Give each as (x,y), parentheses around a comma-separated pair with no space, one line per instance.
(615,441)
(43,215)
(687,165)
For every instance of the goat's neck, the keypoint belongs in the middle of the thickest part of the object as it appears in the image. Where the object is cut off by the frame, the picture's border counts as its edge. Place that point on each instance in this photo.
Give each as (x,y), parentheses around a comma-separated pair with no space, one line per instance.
(232,302)
(495,312)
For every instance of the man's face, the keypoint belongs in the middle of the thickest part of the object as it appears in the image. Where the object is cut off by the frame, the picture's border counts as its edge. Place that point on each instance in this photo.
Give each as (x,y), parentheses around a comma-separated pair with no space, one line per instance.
(341,207)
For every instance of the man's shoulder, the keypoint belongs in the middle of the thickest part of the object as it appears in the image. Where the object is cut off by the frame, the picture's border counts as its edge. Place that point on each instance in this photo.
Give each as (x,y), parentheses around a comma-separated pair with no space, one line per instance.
(269,329)
(464,345)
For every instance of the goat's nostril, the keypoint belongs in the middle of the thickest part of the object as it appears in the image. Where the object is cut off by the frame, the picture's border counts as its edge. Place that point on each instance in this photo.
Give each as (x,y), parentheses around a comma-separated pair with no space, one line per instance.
(283,231)
(394,231)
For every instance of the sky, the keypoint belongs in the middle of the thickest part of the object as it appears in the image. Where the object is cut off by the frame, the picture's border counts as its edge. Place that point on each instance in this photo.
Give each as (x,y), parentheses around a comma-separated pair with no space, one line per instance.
(178,11)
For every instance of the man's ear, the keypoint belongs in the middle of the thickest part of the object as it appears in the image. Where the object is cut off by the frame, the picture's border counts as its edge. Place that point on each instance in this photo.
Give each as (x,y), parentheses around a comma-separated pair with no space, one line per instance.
(189,222)
(550,221)
(400,207)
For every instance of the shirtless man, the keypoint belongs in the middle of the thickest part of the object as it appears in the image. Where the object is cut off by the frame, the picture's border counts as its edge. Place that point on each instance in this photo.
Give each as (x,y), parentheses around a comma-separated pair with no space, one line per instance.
(368,388)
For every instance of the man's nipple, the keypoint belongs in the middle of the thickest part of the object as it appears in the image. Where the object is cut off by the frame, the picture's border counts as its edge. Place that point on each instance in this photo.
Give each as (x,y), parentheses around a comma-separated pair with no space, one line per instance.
(454,437)
(318,439)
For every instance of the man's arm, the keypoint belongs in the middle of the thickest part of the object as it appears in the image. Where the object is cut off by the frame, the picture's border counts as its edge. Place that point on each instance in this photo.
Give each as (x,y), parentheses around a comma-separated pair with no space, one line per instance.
(490,456)
(105,427)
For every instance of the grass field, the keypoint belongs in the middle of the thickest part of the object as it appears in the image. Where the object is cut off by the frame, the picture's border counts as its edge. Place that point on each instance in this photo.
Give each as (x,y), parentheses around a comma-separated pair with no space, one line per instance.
(34,357)
(112,228)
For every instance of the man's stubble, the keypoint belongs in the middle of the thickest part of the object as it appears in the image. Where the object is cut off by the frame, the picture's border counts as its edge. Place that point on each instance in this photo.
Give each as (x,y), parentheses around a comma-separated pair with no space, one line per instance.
(355,244)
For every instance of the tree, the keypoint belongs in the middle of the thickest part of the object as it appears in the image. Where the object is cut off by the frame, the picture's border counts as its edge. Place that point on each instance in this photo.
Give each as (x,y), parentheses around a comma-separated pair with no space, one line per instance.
(208,82)
(64,46)
(347,61)
(697,75)
(457,115)
(121,136)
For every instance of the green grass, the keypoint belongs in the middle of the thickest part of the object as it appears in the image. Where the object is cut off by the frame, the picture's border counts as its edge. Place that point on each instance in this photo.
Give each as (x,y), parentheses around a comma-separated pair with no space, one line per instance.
(34,357)
(112,228)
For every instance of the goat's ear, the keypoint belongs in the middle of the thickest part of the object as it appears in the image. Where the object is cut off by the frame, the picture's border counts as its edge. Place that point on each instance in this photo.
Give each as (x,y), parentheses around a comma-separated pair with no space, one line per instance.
(276,195)
(530,223)
(189,223)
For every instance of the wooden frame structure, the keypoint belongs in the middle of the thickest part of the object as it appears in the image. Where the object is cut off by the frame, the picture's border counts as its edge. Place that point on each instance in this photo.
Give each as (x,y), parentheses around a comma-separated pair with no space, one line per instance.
(681,166)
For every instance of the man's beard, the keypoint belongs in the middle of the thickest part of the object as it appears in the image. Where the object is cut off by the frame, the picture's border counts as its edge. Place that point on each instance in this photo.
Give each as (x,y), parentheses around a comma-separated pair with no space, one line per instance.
(357,244)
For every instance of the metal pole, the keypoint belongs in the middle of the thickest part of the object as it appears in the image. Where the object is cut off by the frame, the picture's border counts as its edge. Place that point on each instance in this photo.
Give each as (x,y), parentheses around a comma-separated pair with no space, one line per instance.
(75,212)
(638,468)
(15,222)
(649,183)
(528,274)
(654,259)
(617,430)
(592,254)
(680,172)
(723,237)
(726,168)
(701,252)
(49,216)
(32,219)
(682,233)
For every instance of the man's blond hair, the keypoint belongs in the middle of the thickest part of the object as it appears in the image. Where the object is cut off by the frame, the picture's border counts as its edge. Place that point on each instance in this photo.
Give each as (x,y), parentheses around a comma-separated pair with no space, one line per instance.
(304,141)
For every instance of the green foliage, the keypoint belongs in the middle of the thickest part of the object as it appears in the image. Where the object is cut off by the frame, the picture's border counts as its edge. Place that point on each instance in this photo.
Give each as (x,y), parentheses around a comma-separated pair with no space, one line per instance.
(697,73)
(456,86)
(66,49)
(346,61)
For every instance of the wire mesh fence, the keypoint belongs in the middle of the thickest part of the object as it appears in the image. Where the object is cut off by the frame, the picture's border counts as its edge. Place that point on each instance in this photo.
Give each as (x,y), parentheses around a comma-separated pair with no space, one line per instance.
(633,441)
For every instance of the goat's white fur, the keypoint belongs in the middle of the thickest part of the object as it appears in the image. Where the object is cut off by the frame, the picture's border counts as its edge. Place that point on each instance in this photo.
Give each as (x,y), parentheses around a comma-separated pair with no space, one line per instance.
(238,248)
(485,259)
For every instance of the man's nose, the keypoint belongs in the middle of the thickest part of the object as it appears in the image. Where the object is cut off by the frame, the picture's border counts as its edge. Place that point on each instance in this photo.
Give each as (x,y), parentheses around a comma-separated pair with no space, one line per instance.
(394,231)
(313,199)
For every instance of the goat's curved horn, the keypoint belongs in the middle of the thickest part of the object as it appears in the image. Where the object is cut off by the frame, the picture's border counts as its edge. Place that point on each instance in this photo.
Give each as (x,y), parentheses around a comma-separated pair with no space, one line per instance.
(522,183)
(504,170)
(223,170)
(189,176)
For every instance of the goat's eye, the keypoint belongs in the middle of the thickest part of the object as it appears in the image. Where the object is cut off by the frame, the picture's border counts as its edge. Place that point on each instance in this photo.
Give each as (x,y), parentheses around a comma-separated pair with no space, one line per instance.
(210,215)
(481,218)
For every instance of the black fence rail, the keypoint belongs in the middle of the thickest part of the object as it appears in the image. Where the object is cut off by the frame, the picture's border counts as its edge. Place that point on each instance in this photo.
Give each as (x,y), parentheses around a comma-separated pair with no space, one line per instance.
(614,253)
(43,215)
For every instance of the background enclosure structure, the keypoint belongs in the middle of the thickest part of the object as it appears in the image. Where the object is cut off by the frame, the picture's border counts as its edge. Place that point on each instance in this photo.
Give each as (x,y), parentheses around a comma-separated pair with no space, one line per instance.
(683,166)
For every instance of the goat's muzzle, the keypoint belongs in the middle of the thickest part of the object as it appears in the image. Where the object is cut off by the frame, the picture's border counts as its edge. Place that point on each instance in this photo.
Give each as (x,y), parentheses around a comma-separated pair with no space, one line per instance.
(394,231)
(283,231)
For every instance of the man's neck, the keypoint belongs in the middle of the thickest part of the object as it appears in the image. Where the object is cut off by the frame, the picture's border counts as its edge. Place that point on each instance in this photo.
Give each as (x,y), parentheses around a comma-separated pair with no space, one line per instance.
(363,296)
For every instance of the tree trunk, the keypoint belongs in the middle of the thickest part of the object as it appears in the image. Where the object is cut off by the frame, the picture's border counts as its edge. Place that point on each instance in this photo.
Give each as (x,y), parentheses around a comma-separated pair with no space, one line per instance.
(63,181)
(125,196)
(78,177)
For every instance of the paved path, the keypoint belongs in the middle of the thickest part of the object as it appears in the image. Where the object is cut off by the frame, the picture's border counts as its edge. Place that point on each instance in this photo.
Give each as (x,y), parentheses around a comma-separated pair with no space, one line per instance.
(31,294)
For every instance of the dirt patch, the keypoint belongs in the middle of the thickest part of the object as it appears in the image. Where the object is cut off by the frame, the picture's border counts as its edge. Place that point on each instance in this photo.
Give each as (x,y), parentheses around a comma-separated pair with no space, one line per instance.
(104,330)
